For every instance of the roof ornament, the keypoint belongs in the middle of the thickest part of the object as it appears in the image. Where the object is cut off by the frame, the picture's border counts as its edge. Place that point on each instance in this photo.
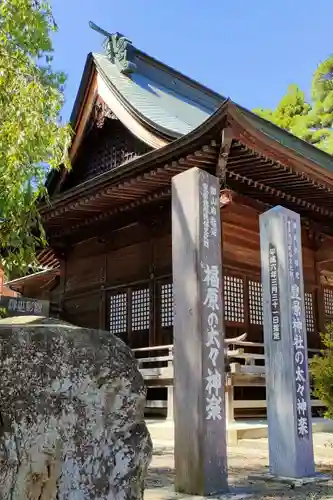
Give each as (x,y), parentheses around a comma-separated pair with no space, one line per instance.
(118,48)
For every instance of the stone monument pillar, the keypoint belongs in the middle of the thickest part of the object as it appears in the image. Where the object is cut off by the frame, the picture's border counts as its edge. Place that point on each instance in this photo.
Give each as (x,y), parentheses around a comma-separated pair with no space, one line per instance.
(286,355)
(200,427)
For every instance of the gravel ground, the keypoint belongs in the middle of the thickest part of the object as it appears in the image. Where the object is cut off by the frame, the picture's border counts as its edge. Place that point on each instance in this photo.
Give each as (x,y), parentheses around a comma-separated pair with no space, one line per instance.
(249,457)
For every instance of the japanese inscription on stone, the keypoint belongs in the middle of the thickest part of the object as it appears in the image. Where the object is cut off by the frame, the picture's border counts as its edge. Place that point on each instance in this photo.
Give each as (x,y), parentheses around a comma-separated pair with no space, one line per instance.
(275,292)
(200,427)
(212,305)
(23,306)
(286,364)
(298,332)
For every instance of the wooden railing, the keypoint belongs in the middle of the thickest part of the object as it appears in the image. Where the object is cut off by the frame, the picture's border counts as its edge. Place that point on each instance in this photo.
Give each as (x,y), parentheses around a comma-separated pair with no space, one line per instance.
(246,369)
(157,372)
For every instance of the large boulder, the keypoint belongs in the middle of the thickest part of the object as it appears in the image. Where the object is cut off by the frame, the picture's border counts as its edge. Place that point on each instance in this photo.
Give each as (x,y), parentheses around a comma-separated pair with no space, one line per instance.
(71,424)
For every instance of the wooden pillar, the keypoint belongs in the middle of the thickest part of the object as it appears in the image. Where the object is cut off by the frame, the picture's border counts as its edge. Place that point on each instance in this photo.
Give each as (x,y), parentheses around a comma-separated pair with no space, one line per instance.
(319,304)
(104,308)
(104,312)
(287,380)
(62,256)
(199,400)
(170,414)
(229,404)
(2,274)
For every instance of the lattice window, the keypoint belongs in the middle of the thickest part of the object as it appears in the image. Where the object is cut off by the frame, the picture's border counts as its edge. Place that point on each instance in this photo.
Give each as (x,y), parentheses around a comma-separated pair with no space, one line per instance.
(166,305)
(328,301)
(309,316)
(111,147)
(255,303)
(118,313)
(140,309)
(105,149)
(234,299)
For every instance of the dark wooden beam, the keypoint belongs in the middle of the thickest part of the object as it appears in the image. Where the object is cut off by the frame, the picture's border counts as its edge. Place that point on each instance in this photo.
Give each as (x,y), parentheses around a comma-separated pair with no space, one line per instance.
(324,254)
(108,221)
(226,141)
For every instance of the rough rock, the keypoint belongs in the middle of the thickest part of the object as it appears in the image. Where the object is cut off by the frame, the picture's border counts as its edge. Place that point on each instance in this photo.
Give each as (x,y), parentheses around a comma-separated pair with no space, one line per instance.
(71,423)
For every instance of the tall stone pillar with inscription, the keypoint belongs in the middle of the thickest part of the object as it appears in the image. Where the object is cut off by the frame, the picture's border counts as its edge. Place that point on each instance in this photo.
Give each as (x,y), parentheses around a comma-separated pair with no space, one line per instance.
(287,379)
(200,427)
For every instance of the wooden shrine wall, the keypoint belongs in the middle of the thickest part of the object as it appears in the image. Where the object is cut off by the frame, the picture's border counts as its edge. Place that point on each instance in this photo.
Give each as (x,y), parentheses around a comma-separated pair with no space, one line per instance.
(128,277)
(242,286)
(120,272)
(104,149)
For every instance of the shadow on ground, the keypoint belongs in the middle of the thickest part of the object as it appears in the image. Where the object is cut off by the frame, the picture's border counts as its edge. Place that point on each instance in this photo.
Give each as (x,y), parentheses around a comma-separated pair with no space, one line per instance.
(161,476)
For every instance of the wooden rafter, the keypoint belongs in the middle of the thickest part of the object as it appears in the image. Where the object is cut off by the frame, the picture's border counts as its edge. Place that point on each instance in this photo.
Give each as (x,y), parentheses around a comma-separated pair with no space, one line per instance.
(226,141)
(223,147)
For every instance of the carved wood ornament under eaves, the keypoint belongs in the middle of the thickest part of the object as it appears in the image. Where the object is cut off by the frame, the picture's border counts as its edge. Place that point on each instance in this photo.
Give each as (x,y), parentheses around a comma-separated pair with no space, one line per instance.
(101,113)
(221,167)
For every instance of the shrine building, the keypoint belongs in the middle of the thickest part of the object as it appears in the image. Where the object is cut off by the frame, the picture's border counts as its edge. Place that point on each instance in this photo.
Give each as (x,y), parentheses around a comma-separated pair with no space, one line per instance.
(138,123)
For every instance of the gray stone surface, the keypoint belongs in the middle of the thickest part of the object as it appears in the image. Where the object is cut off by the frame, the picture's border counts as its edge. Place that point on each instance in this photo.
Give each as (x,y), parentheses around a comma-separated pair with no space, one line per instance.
(71,402)
(199,410)
(286,359)
(292,482)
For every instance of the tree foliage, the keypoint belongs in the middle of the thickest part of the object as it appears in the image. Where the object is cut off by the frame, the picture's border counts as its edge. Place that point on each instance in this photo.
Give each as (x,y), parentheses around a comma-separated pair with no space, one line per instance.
(311,121)
(322,371)
(31,136)
(289,109)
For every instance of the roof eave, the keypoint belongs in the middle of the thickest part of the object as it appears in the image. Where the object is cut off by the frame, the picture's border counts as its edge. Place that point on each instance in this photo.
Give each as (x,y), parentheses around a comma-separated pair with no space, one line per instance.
(229,113)
(137,165)
(17,283)
(83,88)
(312,168)
(54,175)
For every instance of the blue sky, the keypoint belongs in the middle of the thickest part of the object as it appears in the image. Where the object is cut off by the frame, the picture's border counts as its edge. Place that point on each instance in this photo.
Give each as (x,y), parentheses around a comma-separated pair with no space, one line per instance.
(247,50)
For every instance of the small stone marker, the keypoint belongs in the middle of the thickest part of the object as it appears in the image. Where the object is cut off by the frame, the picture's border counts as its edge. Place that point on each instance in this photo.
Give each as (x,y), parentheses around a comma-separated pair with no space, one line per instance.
(200,428)
(287,379)
(23,306)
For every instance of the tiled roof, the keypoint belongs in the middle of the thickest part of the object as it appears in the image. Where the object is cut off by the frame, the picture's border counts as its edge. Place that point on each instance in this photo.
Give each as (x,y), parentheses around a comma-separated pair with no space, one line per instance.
(165,100)
(176,104)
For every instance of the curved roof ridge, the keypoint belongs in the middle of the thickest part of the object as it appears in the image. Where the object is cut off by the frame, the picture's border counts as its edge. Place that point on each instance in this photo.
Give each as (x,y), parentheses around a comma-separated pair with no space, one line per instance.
(285,138)
(169,106)
(121,51)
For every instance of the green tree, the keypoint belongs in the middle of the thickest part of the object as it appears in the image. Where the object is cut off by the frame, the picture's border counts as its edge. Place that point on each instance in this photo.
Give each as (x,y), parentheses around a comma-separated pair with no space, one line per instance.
(311,121)
(32,139)
(322,371)
(291,107)
(320,119)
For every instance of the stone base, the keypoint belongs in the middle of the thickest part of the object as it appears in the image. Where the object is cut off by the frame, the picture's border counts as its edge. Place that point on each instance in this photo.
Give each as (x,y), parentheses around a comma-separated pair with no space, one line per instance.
(168,493)
(290,481)
(258,429)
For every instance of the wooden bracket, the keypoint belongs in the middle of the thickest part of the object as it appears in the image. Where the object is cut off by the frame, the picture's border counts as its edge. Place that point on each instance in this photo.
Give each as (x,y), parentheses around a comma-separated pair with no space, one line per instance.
(60,250)
(317,238)
(226,141)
